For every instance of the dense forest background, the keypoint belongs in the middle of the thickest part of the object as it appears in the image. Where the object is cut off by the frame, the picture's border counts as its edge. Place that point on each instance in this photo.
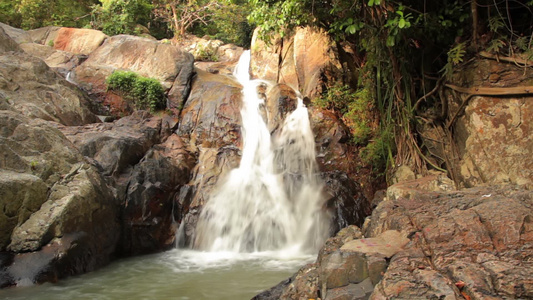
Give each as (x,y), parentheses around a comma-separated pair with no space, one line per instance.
(400,53)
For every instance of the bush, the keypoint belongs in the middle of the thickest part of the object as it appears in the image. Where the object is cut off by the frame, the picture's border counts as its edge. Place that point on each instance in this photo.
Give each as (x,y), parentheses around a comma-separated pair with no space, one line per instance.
(145,93)
(356,109)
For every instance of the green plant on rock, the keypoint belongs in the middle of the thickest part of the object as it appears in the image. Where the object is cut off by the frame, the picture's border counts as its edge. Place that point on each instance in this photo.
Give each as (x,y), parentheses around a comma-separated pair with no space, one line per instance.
(206,53)
(145,93)
(355,107)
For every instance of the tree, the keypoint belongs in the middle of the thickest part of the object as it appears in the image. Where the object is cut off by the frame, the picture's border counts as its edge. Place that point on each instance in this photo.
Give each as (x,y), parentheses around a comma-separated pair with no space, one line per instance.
(183,14)
(121,16)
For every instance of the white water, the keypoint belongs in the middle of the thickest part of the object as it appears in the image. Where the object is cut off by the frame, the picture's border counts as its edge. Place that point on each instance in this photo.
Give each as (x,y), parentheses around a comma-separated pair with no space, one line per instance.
(272,201)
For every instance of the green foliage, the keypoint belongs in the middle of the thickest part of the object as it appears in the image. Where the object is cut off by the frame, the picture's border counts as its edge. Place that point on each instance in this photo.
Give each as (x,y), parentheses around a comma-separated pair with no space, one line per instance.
(228,23)
(39,13)
(145,93)
(9,13)
(379,151)
(205,53)
(355,107)
(121,16)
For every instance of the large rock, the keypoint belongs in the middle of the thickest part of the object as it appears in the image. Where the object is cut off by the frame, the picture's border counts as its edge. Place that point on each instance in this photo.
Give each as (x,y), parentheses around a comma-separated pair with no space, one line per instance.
(307,61)
(78,41)
(6,42)
(492,135)
(117,146)
(428,241)
(210,122)
(148,220)
(61,61)
(164,62)
(18,35)
(146,164)
(58,214)
(29,86)
(462,242)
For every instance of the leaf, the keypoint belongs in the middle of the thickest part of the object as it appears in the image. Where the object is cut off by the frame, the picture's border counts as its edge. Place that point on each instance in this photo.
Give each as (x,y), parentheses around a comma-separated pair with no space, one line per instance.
(351,29)
(401,24)
(371,3)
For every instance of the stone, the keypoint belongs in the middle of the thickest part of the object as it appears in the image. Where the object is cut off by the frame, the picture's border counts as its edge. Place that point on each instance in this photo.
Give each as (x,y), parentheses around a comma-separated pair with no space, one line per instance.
(119,145)
(146,57)
(20,36)
(6,42)
(386,244)
(492,135)
(78,40)
(306,61)
(29,86)
(403,173)
(59,60)
(21,194)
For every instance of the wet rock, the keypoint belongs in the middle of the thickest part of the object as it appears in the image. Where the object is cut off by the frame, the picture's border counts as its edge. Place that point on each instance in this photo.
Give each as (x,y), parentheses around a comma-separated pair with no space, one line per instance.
(208,119)
(344,200)
(149,224)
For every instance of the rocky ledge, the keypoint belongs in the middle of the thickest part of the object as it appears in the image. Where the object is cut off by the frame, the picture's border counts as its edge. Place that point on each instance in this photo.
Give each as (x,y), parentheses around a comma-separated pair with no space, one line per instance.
(425,241)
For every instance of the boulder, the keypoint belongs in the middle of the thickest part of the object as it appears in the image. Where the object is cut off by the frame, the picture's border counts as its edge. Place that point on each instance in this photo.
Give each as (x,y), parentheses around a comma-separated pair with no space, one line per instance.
(58,60)
(44,35)
(29,86)
(149,58)
(148,214)
(18,35)
(462,243)
(428,242)
(211,123)
(58,215)
(115,147)
(306,60)
(7,44)
(146,164)
(492,135)
(78,41)
(212,119)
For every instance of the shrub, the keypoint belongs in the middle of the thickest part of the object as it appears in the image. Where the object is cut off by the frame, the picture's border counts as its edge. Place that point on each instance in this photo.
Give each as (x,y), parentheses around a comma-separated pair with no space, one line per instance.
(145,93)
(356,109)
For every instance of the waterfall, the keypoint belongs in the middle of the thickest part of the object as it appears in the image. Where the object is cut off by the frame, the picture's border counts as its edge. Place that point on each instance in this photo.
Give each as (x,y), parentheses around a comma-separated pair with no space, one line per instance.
(273,200)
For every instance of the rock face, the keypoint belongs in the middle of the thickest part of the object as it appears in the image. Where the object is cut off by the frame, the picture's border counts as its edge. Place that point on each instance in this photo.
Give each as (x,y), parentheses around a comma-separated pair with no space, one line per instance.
(164,62)
(429,241)
(29,86)
(492,135)
(78,41)
(306,61)
(145,164)
(210,122)
(48,192)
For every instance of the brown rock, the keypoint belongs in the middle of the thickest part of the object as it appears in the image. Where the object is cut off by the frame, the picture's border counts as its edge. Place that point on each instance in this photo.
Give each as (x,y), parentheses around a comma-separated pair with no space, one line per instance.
(164,62)
(78,41)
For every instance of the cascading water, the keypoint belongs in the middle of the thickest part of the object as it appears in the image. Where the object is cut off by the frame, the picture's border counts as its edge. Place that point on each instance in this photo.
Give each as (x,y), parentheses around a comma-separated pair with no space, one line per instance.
(272,201)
